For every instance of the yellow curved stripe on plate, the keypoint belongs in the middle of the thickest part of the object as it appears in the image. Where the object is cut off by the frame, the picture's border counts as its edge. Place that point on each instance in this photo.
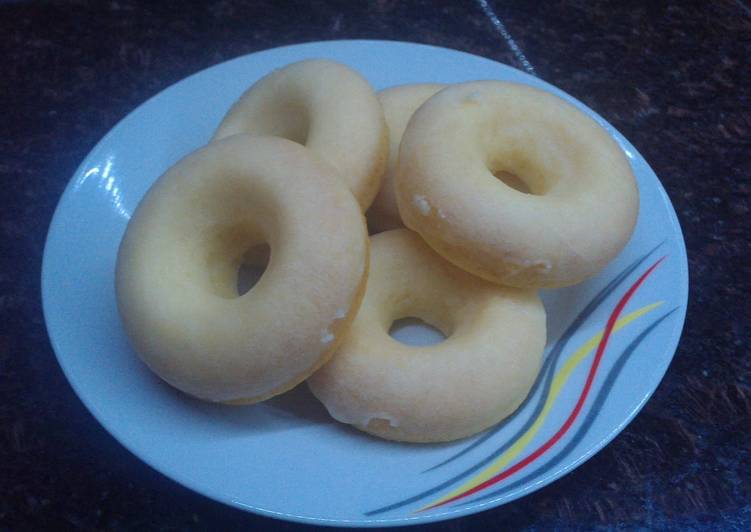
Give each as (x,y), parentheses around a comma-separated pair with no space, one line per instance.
(558,382)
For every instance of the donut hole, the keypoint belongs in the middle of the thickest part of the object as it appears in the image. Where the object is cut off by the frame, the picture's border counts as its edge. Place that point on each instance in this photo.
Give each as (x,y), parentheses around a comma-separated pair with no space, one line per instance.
(253,265)
(415,332)
(295,125)
(513,181)
(523,171)
(288,119)
(238,257)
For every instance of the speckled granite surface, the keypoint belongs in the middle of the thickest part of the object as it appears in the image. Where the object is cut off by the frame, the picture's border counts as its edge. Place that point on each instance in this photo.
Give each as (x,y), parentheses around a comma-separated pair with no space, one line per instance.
(673,77)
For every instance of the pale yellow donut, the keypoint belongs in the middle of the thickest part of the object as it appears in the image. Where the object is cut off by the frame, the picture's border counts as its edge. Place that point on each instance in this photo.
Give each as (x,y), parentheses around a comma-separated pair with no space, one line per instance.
(583,202)
(326,106)
(178,262)
(399,103)
(472,380)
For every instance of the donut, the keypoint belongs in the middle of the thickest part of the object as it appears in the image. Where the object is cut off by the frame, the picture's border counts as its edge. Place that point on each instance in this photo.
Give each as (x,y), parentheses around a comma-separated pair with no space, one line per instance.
(326,106)
(476,377)
(399,103)
(581,202)
(178,262)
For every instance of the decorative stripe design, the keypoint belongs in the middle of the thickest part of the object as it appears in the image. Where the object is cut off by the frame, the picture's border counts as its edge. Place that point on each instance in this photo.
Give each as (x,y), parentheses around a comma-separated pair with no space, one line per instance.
(596,408)
(547,370)
(477,483)
(552,382)
(558,383)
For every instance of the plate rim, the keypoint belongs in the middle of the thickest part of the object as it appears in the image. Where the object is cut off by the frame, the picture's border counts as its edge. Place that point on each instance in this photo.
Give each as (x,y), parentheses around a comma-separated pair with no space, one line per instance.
(671,346)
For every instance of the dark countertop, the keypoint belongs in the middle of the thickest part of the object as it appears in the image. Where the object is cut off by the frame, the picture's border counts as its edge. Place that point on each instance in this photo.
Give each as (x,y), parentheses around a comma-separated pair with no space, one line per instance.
(673,77)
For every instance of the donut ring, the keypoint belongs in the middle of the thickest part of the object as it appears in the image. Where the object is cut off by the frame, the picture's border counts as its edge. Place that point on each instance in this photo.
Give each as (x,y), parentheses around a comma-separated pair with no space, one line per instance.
(577,174)
(399,104)
(178,262)
(326,106)
(476,377)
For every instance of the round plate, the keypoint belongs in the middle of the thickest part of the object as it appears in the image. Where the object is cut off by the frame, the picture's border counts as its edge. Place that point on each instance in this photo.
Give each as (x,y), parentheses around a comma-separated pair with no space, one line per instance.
(610,339)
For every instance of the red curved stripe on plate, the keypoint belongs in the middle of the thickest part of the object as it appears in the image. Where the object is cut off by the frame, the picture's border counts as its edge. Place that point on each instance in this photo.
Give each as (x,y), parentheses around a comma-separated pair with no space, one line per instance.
(579,404)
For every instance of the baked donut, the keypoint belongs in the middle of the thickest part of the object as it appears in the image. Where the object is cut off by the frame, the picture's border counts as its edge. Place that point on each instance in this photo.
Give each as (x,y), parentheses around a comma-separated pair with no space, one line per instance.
(178,264)
(582,200)
(470,381)
(326,106)
(399,103)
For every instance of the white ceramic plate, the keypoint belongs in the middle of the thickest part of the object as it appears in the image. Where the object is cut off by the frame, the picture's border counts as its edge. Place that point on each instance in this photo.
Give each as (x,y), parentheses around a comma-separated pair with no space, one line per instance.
(286,458)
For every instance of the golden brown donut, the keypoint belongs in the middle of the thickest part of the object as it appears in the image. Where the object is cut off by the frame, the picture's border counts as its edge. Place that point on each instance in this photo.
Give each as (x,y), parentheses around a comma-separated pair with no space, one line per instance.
(582,202)
(178,264)
(326,106)
(472,380)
